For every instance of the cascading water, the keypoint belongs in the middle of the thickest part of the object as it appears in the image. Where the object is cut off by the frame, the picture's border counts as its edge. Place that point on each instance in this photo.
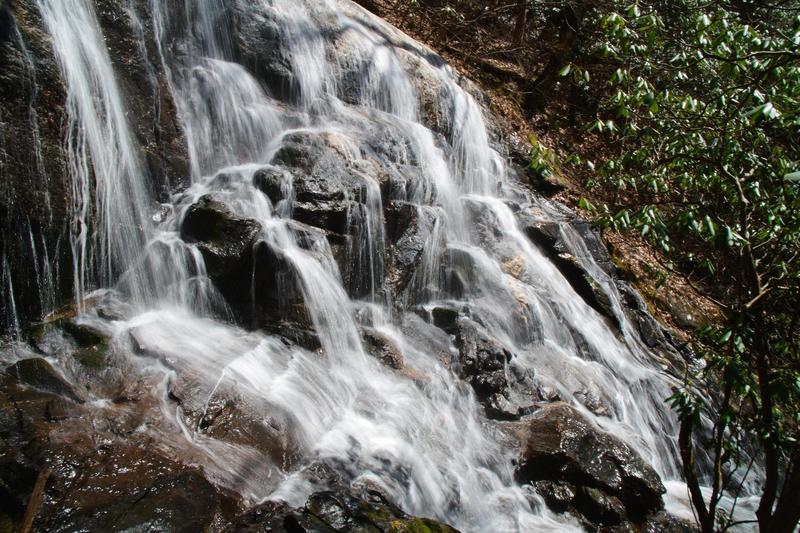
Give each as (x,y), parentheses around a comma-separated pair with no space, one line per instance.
(111,194)
(348,81)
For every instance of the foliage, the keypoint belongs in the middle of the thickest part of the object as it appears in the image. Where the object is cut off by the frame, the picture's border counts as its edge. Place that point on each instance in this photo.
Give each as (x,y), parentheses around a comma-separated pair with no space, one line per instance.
(702,108)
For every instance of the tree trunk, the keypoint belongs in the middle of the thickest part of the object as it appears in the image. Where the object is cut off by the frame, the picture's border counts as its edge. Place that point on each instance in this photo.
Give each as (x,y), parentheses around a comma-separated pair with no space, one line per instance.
(569,21)
(787,513)
(522,23)
(690,473)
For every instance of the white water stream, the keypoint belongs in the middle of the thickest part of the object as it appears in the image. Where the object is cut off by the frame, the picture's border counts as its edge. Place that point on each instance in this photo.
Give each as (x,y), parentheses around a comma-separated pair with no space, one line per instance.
(422,438)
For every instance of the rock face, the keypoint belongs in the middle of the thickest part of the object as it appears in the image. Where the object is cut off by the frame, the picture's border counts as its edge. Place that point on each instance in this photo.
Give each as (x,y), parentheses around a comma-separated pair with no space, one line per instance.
(257,283)
(506,390)
(548,237)
(100,474)
(34,174)
(86,424)
(577,466)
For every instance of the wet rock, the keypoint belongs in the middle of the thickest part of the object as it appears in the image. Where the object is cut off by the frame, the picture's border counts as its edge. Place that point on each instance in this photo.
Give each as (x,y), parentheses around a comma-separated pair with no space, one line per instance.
(445,318)
(667,523)
(483,360)
(259,45)
(459,272)
(230,417)
(548,237)
(427,338)
(323,165)
(562,446)
(225,240)
(325,184)
(103,474)
(406,241)
(599,508)
(333,216)
(34,183)
(141,494)
(400,216)
(272,182)
(593,402)
(92,345)
(383,348)
(233,253)
(333,512)
(40,374)
(506,390)
(557,495)
(595,246)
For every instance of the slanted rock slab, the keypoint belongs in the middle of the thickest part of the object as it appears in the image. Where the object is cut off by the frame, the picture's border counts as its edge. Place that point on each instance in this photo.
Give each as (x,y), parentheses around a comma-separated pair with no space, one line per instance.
(560,445)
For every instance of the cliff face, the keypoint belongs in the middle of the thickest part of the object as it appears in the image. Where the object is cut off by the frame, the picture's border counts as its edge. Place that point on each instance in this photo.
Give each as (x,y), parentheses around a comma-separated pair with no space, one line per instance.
(337,293)
(33,178)
(35,181)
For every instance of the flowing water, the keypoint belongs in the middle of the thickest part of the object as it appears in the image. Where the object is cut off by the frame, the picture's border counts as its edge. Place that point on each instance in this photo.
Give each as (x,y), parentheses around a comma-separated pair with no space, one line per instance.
(354,81)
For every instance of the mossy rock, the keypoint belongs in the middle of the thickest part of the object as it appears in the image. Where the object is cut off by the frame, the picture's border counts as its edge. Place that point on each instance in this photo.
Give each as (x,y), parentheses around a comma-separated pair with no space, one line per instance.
(418,525)
(94,357)
(41,375)
(339,511)
(83,335)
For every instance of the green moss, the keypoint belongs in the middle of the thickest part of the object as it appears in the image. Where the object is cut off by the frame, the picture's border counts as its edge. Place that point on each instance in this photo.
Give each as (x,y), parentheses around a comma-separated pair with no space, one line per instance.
(378,514)
(418,525)
(83,335)
(93,357)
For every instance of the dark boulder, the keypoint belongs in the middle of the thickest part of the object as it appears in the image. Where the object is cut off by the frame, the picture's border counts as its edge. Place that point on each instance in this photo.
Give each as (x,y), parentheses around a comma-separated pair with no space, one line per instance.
(273,183)
(445,318)
(324,184)
(225,240)
(558,495)
(258,283)
(337,512)
(599,507)
(506,390)
(563,447)
(41,375)
(323,166)
(333,216)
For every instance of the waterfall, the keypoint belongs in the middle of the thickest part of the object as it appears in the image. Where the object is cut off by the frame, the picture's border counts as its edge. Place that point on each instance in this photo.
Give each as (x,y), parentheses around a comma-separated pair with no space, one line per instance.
(383,109)
(110,188)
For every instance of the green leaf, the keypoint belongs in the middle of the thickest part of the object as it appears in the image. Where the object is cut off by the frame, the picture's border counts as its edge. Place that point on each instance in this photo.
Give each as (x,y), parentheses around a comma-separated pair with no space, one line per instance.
(565,71)
(793,177)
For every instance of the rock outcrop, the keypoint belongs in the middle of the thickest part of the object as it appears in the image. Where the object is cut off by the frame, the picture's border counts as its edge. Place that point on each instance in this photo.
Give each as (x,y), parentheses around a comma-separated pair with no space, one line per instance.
(337,512)
(578,467)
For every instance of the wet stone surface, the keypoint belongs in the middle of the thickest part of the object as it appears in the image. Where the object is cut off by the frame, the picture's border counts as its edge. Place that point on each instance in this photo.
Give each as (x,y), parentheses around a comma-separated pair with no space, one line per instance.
(563,449)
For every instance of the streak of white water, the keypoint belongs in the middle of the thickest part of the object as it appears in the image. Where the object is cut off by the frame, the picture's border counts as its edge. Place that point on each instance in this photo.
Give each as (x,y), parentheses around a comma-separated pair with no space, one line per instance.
(111,191)
(11,317)
(419,435)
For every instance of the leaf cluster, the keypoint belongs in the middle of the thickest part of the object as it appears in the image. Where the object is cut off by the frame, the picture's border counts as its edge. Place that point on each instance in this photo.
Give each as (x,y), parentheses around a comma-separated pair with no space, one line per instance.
(703,109)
